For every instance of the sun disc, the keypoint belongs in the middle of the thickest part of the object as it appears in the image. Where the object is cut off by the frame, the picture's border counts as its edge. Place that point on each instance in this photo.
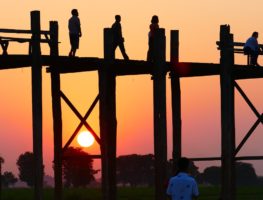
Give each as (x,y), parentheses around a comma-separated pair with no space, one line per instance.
(85,139)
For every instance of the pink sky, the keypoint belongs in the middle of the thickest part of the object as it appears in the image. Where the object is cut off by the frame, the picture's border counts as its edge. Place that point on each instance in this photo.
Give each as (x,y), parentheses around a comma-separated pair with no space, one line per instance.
(198,23)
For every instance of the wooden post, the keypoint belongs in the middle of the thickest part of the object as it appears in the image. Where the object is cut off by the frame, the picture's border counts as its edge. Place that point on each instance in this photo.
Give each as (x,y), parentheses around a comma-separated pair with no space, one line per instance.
(159,95)
(37,105)
(108,122)
(57,113)
(227,114)
(176,98)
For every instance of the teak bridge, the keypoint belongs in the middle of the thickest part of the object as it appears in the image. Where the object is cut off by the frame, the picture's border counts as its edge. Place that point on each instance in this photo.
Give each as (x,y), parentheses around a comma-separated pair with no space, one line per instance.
(108,68)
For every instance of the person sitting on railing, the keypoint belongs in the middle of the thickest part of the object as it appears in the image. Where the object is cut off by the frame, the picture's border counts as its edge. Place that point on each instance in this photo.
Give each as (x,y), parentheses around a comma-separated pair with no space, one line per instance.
(153,27)
(252,48)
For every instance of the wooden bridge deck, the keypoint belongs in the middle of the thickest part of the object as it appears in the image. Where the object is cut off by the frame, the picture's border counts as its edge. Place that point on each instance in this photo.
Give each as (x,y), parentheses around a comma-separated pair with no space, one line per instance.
(65,64)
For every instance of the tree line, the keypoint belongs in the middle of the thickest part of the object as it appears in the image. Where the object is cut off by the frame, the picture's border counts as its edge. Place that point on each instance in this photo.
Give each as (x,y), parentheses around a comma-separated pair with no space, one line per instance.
(77,167)
(132,170)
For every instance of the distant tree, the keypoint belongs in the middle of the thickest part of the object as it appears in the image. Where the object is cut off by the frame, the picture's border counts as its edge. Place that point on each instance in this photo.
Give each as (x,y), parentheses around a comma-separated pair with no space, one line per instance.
(135,169)
(260,180)
(212,175)
(8,178)
(245,174)
(193,170)
(77,168)
(25,164)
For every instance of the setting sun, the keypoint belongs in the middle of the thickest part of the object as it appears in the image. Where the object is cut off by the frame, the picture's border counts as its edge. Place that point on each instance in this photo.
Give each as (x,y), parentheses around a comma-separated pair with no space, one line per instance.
(85,139)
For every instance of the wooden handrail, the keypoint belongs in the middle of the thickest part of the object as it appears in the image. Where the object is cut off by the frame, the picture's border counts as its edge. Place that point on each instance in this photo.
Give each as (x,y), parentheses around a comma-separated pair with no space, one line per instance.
(21,31)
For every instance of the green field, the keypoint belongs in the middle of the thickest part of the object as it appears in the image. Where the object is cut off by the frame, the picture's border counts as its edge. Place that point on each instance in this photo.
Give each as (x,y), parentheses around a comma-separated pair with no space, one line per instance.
(139,193)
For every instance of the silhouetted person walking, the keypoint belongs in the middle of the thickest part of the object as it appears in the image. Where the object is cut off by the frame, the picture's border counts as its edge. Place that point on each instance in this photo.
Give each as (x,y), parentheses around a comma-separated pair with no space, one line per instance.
(252,48)
(182,186)
(74,32)
(153,27)
(118,40)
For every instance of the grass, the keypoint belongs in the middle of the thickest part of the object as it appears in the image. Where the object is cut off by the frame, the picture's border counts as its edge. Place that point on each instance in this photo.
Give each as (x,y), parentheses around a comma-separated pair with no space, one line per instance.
(138,193)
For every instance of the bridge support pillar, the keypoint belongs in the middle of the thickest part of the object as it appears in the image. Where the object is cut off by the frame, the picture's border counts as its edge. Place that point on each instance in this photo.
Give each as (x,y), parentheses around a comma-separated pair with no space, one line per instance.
(159,101)
(176,98)
(227,114)
(57,113)
(108,121)
(36,72)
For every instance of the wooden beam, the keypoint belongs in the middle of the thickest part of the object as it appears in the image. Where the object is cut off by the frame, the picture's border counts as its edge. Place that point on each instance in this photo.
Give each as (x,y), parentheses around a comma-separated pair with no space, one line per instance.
(159,101)
(176,98)
(57,112)
(37,105)
(76,112)
(81,124)
(249,133)
(227,114)
(219,158)
(249,103)
(20,31)
(15,39)
(108,121)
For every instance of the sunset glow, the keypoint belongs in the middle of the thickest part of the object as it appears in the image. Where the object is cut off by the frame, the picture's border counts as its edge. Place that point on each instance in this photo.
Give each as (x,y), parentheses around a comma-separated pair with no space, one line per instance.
(198,24)
(85,139)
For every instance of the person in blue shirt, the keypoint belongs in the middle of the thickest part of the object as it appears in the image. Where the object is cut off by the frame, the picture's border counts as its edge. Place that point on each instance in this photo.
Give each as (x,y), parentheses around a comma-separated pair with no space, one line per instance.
(252,48)
(182,186)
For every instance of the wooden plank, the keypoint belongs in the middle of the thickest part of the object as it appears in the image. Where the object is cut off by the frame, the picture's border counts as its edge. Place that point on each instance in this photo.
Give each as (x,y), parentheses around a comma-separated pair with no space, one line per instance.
(227,115)
(159,101)
(176,99)
(37,105)
(64,64)
(20,31)
(15,39)
(219,158)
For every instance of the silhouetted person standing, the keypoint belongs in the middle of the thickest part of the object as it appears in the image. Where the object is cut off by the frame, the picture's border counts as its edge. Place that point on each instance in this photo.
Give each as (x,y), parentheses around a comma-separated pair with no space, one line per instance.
(74,32)
(153,27)
(118,40)
(251,48)
(182,186)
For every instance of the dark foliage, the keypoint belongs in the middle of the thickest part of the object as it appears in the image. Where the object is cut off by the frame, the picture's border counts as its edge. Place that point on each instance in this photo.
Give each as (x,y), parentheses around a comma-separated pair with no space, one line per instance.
(193,170)
(77,168)
(25,164)
(135,169)
(245,175)
(8,178)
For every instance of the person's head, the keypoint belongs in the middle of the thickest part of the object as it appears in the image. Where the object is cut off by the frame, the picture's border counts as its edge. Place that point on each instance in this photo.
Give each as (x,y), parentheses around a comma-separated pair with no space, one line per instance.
(183,164)
(117,18)
(255,34)
(74,12)
(155,19)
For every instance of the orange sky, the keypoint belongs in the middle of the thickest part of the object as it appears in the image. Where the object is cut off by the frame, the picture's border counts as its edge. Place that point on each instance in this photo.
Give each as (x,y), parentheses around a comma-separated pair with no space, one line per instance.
(198,23)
